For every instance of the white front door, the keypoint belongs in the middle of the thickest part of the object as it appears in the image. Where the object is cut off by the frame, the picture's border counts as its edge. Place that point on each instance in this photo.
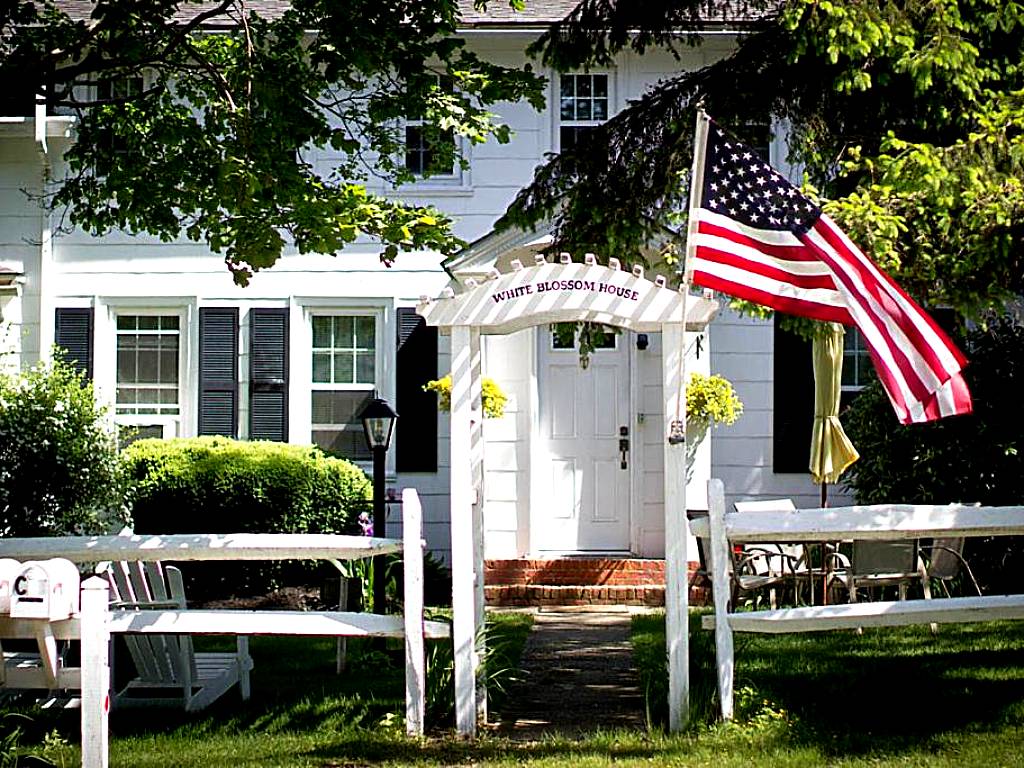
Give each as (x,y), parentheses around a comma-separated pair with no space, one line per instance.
(584,488)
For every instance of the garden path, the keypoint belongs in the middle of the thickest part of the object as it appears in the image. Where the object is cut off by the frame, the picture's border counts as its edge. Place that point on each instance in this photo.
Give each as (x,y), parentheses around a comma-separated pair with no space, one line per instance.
(577,676)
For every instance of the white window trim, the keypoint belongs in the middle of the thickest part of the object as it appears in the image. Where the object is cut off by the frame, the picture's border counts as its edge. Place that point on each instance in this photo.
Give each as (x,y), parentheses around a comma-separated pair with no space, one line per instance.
(303,309)
(182,424)
(555,100)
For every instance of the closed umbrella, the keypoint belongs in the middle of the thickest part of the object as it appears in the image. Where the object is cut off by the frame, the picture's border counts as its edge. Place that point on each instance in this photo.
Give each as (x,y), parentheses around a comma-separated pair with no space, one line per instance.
(831,450)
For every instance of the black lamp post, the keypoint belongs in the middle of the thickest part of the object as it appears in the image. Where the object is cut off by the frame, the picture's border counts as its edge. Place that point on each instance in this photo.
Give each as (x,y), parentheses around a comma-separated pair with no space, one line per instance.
(378,423)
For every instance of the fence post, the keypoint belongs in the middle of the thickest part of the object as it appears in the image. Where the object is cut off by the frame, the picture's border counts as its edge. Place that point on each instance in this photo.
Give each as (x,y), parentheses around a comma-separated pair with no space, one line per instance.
(415,657)
(95,672)
(719,554)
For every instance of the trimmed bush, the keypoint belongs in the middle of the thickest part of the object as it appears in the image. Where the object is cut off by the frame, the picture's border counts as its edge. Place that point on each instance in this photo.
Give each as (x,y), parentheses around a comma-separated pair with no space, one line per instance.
(973,458)
(60,472)
(218,485)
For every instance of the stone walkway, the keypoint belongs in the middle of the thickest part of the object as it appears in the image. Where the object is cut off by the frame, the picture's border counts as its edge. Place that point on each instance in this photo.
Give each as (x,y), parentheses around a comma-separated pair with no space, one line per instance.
(578,675)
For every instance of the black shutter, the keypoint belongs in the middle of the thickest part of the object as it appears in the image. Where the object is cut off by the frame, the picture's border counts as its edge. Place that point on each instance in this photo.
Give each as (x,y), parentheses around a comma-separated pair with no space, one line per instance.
(416,429)
(268,374)
(218,371)
(793,409)
(73,333)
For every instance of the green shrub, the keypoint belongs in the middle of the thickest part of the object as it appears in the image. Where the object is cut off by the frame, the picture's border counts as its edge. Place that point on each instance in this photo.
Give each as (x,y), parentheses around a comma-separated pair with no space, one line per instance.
(59,468)
(218,485)
(973,458)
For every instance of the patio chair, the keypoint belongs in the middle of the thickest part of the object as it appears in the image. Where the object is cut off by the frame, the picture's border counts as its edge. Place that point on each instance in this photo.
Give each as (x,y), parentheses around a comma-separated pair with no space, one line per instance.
(877,564)
(168,670)
(945,562)
(769,567)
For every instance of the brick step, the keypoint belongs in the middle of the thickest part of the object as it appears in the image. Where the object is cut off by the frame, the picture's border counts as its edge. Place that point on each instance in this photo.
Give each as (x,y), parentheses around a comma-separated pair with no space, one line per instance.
(576,571)
(537,595)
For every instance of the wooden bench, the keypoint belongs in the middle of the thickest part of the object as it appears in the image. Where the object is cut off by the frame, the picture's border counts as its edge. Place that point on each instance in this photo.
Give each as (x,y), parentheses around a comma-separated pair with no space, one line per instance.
(880,522)
(96,621)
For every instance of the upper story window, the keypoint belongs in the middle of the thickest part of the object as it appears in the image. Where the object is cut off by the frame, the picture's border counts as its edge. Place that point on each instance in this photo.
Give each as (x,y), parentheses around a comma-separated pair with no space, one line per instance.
(119,89)
(583,104)
(431,151)
(344,379)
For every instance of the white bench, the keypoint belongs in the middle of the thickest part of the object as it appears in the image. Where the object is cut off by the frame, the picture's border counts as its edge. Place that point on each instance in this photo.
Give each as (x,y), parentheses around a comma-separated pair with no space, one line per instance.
(879,521)
(96,621)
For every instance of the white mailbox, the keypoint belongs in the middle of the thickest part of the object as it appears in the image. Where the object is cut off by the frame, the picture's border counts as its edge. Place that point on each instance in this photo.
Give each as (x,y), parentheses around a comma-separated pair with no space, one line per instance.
(45,589)
(9,570)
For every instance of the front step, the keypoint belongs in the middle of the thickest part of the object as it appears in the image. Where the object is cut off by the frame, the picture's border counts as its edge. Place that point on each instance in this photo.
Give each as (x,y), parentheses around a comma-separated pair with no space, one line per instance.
(574,581)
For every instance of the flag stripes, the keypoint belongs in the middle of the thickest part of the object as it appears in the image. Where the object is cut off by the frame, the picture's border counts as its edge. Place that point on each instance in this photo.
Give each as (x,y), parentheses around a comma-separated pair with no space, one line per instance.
(754,236)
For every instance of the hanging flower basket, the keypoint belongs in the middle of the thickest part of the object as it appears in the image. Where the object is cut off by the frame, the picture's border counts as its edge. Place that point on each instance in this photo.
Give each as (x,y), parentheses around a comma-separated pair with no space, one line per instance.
(711,400)
(492,396)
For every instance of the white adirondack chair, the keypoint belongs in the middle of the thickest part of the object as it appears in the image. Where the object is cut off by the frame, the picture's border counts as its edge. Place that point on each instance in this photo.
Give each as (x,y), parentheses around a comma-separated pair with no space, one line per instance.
(169,671)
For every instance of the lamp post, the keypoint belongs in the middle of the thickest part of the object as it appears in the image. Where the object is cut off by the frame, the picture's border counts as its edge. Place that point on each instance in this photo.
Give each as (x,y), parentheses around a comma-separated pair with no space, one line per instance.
(378,423)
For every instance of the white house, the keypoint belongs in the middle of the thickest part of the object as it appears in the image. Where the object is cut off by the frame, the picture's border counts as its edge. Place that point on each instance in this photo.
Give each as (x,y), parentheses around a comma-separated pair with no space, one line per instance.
(176,348)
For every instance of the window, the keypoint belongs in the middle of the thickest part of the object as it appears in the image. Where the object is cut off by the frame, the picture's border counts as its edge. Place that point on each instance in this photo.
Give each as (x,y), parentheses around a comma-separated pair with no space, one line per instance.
(583,104)
(430,151)
(857,367)
(148,365)
(344,358)
(603,337)
(119,88)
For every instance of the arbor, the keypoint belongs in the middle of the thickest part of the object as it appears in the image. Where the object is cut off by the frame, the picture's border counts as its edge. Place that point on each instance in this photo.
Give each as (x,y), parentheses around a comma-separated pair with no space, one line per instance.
(908,115)
(242,127)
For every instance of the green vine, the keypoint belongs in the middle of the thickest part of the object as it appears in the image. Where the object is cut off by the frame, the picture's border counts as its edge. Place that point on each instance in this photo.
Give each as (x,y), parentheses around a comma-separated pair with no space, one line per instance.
(493,397)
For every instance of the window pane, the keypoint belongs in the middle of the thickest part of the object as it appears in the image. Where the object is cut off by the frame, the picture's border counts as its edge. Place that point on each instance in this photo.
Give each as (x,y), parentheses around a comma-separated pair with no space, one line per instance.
(169,366)
(583,85)
(343,368)
(365,373)
(148,367)
(149,323)
(343,330)
(365,332)
(321,331)
(169,323)
(322,367)
(567,86)
(568,111)
(126,322)
(125,365)
(125,396)
(865,371)
(600,85)
(600,109)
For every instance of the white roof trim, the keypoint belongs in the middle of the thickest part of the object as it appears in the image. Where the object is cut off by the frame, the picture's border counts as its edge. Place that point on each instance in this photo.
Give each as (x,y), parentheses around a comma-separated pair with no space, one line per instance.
(566,292)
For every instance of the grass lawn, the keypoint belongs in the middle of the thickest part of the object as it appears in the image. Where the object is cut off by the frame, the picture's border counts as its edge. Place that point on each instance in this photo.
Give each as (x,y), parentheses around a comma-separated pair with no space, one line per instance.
(886,698)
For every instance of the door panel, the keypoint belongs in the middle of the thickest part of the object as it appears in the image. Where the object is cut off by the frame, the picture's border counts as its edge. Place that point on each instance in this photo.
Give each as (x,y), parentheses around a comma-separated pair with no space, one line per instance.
(584,498)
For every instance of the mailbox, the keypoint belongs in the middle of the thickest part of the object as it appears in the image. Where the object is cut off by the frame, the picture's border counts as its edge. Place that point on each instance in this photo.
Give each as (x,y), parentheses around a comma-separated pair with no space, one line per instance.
(45,589)
(8,573)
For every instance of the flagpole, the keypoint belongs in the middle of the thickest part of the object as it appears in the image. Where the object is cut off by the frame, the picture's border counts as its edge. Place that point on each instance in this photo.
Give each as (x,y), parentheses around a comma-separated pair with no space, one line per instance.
(677,582)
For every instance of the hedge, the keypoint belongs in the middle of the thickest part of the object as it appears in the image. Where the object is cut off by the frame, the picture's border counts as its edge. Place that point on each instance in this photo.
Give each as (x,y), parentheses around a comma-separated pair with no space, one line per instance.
(218,485)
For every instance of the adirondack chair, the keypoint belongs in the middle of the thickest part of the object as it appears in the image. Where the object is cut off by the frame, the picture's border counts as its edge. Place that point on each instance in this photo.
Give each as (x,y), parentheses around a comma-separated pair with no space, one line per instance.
(169,671)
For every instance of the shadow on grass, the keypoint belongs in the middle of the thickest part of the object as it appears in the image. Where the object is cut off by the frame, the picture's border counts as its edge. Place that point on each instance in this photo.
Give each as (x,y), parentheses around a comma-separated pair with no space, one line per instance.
(884,692)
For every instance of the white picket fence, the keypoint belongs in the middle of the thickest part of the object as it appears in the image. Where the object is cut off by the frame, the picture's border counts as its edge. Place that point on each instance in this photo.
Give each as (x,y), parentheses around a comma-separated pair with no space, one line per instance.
(877,521)
(95,622)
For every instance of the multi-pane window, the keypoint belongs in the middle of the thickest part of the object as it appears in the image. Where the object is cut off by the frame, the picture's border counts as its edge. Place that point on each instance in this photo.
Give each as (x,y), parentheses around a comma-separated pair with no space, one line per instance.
(344,380)
(563,336)
(148,370)
(583,104)
(430,151)
(857,367)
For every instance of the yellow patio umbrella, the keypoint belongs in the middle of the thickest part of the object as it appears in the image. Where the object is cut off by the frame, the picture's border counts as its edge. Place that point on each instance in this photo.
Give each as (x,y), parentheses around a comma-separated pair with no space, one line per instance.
(831,450)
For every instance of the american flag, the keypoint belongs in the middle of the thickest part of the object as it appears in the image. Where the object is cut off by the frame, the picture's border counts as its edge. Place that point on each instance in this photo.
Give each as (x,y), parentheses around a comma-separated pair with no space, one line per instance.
(755,236)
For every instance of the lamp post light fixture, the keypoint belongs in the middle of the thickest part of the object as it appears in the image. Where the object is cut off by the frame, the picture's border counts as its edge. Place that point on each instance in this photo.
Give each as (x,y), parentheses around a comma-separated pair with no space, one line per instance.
(378,424)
